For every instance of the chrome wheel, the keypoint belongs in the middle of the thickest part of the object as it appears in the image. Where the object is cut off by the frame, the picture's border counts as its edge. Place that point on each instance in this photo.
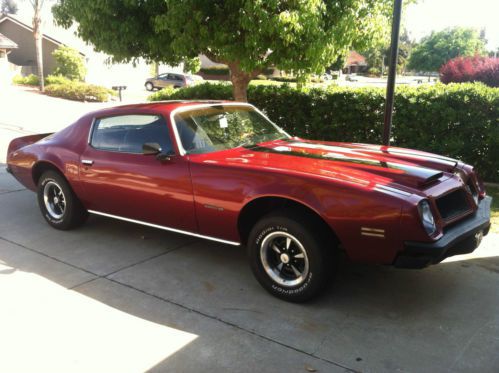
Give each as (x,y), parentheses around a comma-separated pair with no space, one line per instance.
(284,259)
(54,199)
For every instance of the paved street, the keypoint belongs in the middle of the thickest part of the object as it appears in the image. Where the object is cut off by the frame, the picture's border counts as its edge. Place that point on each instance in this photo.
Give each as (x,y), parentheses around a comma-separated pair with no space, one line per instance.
(113,296)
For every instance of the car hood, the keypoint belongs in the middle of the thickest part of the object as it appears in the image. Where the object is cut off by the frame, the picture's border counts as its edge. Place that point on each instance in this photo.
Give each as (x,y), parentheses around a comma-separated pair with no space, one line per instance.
(361,163)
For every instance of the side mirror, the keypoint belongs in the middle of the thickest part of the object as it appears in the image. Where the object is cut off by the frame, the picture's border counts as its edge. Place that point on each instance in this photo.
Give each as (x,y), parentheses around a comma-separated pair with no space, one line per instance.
(151,148)
(165,157)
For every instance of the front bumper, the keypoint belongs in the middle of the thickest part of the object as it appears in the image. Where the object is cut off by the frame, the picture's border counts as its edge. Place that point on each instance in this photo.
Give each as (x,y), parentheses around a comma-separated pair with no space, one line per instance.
(462,238)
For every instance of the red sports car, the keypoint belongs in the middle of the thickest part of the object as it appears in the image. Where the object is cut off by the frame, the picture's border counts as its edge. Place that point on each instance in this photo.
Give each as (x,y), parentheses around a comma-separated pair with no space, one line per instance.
(224,172)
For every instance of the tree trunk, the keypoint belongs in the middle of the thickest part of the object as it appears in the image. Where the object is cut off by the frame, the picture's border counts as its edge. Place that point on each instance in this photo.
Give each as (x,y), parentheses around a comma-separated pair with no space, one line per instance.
(37,21)
(240,82)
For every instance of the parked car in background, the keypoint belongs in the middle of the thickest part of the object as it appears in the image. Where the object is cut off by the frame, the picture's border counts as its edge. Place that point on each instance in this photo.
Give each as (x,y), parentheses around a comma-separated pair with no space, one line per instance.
(223,171)
(175,80)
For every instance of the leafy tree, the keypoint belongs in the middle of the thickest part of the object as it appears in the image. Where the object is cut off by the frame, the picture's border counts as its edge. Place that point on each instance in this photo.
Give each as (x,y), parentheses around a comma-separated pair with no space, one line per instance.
(70,63)
(378,56)
(439,47)
(192,65)
(246,35)
(8,7)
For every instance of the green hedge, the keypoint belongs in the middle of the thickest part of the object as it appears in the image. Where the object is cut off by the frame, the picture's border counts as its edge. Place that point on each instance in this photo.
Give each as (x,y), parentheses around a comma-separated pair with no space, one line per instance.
(457,120)
(215,70)
(80,92)
(56,79)
(31,79)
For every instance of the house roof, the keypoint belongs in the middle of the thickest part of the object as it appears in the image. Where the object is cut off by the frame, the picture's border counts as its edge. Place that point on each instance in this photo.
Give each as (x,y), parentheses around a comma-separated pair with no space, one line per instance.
(11,18)
(355,58)
(6,43)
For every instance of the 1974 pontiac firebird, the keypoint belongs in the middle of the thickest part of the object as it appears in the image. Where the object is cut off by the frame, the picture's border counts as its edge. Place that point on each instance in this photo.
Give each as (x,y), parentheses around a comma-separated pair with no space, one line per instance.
(224,172)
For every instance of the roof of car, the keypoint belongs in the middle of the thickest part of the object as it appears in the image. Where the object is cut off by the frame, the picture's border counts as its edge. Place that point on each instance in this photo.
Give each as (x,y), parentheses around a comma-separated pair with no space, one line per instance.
(165,107)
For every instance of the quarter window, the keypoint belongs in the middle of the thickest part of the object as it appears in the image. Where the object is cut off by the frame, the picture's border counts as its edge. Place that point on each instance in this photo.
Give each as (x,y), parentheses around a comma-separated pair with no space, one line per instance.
(127,133)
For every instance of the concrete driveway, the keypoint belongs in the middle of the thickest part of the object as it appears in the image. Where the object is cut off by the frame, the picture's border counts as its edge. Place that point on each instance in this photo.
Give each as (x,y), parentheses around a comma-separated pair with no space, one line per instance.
(113,296)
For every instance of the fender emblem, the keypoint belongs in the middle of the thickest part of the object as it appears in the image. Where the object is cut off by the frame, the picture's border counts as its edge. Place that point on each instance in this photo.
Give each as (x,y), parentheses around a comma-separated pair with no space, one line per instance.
(372,232)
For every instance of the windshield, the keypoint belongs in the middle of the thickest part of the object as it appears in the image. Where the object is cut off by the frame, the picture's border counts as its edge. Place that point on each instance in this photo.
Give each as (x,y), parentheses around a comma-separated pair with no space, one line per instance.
(220,127)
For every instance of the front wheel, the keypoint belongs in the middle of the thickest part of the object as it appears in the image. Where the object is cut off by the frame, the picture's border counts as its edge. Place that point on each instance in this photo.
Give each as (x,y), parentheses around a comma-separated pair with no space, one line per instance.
(289,257)
(149,86)
(59,205)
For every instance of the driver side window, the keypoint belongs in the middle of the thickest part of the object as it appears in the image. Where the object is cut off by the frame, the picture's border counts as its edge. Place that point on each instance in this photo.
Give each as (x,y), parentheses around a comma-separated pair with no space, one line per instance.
(127,133)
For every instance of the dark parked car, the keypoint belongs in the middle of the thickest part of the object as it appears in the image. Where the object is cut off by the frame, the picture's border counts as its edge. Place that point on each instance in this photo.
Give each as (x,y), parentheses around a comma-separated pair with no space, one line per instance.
(175,80)
(224,172)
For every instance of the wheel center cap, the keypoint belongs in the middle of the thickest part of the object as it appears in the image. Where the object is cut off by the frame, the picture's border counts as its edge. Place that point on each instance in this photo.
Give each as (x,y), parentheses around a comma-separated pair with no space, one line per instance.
(56,200)
(285,258)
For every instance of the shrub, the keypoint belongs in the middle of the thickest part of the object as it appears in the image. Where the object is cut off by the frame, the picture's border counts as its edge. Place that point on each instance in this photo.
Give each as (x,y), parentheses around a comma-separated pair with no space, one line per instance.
(471,69)
(457,120)
(284,79)
(80,92)
(373,71)
(215,70)
(70,63)
(56,79)
(26,80)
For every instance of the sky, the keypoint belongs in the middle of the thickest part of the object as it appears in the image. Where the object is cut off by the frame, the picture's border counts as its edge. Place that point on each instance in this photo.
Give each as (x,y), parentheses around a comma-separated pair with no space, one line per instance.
(420,18)
(427,15)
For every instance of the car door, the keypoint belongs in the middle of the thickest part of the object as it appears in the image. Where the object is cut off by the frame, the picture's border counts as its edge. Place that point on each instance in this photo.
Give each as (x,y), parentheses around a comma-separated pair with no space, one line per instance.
(118,179)
(161,81)
(175,80)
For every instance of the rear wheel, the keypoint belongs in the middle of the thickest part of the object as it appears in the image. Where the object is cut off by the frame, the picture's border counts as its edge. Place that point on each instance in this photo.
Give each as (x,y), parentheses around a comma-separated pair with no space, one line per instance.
(59,205)
(149,86)
(289,257)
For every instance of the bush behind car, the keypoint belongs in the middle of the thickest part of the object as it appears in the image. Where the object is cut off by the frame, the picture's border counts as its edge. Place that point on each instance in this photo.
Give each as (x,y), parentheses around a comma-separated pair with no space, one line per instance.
(79,92)
(458,120)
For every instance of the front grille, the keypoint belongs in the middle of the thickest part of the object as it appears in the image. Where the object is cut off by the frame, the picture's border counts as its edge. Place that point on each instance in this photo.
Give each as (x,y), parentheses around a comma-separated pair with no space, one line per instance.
(453,204)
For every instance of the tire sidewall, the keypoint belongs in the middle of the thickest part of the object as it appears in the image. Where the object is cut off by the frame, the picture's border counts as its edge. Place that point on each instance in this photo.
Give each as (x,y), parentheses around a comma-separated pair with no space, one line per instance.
(315,278)
(62,222)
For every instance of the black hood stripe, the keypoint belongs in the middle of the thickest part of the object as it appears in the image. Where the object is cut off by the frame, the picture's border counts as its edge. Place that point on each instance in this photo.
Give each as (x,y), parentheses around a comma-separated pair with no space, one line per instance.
(427,174)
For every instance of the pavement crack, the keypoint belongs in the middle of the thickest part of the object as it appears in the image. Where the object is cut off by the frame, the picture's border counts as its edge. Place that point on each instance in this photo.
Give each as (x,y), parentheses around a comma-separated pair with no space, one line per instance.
(48,256)
(12,191)
(235,326)
(145,260)
(106,276)
(83,283)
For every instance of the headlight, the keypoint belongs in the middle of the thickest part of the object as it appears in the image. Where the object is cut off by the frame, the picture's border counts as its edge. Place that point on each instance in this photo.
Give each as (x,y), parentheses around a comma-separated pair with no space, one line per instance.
(427,217)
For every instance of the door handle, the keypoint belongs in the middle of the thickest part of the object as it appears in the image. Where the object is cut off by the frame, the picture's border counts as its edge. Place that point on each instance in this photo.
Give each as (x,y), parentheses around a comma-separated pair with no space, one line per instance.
(87,162)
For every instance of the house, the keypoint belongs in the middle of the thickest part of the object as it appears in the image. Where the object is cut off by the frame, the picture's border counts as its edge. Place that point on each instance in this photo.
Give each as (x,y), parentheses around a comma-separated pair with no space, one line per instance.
(25,53)
(6,47)
(355,63)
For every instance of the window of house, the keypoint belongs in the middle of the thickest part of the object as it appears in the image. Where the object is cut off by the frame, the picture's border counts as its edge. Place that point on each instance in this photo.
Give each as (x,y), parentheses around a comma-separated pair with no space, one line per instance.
(127,133)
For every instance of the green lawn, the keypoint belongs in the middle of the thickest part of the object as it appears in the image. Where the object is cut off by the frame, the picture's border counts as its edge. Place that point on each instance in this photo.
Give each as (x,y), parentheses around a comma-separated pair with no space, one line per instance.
(493,191)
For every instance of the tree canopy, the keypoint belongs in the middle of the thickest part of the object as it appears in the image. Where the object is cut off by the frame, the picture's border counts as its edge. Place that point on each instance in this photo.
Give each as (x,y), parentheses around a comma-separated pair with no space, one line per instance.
(8,7)
(246,35)
(439,47)
(192,65)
